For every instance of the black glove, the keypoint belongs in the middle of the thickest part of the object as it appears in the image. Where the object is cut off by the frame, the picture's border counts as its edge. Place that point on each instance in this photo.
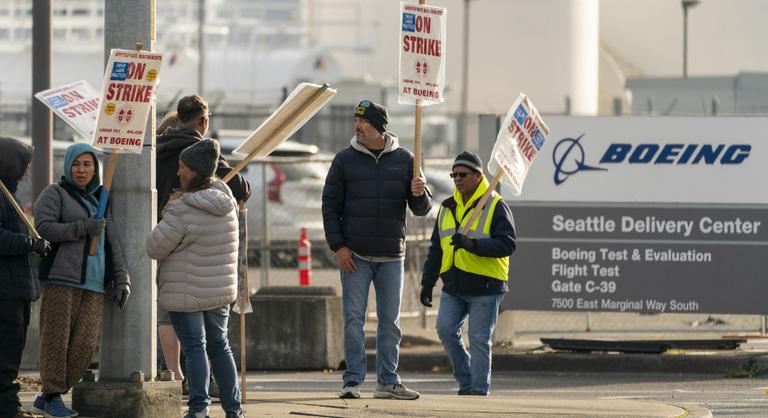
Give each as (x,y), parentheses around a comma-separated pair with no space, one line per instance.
(94,226)
(463,241)
(426,295)
(41,247)
(121,294)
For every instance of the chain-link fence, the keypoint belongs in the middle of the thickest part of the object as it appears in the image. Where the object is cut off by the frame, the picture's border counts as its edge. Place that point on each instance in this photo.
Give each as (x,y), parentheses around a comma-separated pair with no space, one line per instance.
(289,192)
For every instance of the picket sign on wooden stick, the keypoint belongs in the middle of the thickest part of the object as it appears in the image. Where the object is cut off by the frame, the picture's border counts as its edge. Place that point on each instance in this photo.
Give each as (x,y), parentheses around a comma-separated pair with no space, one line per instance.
(263,149)
(102,209)
(17,208)
(479,207)
(417,133)
(518,142)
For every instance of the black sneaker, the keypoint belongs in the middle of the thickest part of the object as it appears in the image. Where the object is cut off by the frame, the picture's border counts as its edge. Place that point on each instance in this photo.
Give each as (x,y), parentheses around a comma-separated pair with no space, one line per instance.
(351,390)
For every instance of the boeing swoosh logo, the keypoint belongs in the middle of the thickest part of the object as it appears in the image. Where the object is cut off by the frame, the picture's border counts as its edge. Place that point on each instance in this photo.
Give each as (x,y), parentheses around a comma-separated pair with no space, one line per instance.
(568,157)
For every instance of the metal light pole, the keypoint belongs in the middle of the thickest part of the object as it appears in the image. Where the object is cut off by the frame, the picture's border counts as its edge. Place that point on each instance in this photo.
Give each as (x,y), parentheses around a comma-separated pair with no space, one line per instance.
(462,131)
(126,385)
(42,119)
(686,4)
(201,47)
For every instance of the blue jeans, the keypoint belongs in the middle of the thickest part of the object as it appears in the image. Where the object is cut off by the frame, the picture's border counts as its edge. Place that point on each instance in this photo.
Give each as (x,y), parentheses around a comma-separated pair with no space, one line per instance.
(387,278)
(206,332)
(471,369)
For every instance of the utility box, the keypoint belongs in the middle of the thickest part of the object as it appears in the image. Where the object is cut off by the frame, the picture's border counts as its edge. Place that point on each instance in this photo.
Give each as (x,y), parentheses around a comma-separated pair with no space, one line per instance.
(291,328)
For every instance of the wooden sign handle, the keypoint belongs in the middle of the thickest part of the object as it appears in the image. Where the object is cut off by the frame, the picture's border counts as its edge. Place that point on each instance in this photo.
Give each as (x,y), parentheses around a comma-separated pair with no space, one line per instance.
(243,368)
(107,185)
(17,208)
(417,141)
(417,133)
(479,207)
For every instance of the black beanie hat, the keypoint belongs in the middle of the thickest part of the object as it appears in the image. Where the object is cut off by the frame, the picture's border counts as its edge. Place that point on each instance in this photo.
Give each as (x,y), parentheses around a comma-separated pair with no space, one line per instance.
(469,159)
(202,157)
(374,113)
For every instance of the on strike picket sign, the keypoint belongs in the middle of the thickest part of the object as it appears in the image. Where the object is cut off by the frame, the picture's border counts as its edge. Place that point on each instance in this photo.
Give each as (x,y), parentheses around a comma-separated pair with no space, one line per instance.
(519,140)
(76,103)
(126,98)
(422,54)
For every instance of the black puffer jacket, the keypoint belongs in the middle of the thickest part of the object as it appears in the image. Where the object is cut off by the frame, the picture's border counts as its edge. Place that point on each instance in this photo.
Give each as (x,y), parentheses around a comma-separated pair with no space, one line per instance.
(16,281)
(169,146)
(364,200)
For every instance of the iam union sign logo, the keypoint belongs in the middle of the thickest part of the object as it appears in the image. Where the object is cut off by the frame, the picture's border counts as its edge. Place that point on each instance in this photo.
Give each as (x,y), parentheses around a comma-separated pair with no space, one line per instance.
(422,67)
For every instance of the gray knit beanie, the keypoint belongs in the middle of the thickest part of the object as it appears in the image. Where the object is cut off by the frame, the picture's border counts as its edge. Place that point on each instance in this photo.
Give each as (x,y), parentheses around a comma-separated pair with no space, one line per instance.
(202,157)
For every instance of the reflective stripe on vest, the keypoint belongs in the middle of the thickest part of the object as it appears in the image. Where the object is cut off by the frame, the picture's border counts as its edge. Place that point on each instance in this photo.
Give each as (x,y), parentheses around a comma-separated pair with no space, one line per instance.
(497,268)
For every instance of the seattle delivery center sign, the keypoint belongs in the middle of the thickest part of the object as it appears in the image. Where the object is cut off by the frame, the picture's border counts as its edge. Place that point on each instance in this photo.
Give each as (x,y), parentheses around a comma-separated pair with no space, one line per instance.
(644,214)
(126,99)
(422,54)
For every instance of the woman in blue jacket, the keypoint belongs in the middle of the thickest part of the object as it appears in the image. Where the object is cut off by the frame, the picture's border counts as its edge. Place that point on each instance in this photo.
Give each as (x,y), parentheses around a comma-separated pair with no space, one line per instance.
(74,283)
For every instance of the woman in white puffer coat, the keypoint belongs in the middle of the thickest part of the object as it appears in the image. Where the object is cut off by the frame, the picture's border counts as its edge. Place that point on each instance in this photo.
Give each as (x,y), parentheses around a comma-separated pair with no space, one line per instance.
(196,245)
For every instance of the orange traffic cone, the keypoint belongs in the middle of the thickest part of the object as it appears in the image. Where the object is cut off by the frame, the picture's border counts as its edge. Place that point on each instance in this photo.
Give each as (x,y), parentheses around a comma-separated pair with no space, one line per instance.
(305,258)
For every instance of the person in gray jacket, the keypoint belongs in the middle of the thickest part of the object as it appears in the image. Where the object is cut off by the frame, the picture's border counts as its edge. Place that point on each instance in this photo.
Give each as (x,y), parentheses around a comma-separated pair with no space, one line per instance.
(74,283)
(196,244)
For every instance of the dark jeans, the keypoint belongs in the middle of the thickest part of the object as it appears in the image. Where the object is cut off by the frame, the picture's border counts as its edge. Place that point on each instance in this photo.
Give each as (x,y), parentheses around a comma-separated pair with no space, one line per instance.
(14,319)
(203,336)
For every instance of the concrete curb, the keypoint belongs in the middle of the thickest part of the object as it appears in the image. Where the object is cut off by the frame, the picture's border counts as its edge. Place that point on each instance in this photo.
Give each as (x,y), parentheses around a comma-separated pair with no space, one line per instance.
(720,364)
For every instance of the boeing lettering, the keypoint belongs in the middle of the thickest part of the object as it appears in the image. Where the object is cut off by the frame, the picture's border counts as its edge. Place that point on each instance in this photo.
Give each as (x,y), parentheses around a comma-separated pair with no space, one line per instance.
(676,153)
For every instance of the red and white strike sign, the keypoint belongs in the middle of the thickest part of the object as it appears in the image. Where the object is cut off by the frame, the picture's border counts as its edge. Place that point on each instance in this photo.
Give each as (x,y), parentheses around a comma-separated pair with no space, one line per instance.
(75,103)
(126,99)
(519,140)
(422,54)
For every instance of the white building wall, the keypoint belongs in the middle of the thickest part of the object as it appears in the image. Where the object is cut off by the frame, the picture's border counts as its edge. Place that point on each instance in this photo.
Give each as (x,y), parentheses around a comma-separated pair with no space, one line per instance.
(547,49)
(725,37)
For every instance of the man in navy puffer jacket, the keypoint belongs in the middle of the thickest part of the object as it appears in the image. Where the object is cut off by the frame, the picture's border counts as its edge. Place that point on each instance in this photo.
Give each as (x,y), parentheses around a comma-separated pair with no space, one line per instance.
(365,196)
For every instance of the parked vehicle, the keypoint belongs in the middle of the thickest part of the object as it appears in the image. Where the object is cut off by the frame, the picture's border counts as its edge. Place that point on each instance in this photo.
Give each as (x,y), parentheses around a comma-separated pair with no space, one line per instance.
(293,175)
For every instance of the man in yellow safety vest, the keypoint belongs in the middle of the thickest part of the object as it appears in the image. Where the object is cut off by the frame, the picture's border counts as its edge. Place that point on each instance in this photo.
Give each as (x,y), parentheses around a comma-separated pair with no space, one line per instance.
(474,268)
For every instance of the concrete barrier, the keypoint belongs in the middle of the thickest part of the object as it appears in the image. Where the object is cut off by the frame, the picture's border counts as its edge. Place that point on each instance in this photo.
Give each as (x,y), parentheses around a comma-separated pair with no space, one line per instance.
(291,328)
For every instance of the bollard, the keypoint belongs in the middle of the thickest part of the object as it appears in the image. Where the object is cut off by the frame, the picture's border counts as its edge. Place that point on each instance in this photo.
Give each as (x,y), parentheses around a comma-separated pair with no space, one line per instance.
(305,258)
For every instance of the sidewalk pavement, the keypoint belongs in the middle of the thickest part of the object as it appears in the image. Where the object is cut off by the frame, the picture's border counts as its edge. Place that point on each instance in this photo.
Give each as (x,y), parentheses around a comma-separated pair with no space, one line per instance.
(421,351)
(326,404)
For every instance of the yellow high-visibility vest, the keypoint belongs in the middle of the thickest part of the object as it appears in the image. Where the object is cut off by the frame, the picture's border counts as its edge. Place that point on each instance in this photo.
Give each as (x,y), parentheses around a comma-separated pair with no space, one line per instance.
(496,268)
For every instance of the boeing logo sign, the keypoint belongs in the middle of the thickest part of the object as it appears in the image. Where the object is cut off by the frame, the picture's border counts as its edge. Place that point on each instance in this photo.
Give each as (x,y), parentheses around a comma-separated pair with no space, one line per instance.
(568,155)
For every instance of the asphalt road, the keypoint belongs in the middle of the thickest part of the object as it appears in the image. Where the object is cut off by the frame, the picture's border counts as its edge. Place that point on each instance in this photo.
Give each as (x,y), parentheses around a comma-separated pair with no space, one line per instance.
(724,397)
